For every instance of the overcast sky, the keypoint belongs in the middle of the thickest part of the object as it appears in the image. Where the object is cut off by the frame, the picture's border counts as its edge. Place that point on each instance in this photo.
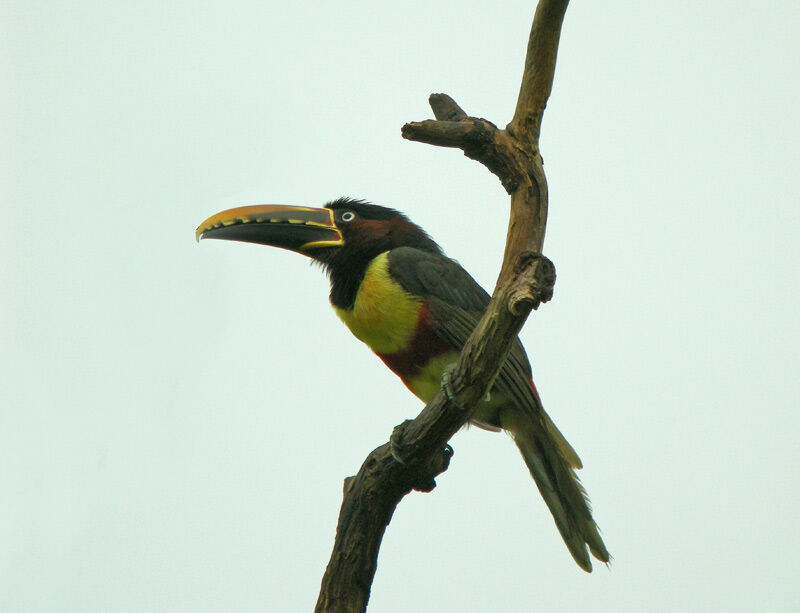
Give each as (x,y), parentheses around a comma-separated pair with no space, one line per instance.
(176,419)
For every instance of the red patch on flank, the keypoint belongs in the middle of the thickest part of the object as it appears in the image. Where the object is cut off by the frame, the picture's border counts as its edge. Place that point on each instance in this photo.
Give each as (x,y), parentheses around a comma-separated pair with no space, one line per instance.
(424,345)
(535,392)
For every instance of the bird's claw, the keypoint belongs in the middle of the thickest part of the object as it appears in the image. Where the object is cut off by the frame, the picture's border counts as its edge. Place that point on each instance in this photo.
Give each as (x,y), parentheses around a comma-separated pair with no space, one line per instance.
(396,445)
(439,464)
(447,386)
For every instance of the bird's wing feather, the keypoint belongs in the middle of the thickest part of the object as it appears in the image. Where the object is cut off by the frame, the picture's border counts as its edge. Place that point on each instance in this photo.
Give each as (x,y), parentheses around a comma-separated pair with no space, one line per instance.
(457,303)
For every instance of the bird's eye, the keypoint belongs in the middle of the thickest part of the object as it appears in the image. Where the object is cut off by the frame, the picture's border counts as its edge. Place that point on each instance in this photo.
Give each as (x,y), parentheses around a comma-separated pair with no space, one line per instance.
(348,216)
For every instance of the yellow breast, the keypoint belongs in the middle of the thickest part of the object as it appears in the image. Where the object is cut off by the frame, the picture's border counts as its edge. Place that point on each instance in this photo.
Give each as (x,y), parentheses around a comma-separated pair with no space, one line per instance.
(383,316)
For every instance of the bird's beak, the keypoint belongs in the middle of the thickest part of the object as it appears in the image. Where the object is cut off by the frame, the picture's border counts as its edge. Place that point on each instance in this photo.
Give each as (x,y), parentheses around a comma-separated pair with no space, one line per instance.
(297,228)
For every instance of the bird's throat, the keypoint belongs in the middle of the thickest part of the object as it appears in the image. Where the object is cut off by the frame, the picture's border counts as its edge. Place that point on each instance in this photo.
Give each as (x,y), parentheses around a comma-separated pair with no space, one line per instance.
(383,315)
(399,328)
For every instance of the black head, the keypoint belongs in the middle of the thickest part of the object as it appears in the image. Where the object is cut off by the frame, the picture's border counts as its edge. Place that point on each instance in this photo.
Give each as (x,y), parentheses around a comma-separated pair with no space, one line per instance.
(367,231)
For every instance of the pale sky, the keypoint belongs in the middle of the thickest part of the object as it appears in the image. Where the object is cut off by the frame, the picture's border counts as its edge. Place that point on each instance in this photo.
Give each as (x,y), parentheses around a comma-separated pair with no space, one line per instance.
(176,419)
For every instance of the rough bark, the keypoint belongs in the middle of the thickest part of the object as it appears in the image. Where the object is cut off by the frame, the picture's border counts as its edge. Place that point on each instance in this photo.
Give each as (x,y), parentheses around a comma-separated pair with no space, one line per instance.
(418,451)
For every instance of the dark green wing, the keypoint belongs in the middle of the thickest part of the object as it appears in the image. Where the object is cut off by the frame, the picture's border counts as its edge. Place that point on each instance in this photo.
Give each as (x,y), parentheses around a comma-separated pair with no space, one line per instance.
(423,273)
(457,303)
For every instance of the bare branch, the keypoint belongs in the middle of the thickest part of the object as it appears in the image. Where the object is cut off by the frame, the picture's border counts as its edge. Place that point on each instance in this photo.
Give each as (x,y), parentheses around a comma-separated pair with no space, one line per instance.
(370,499)
(458,134)
(479,139)
(540,66)
(445,108)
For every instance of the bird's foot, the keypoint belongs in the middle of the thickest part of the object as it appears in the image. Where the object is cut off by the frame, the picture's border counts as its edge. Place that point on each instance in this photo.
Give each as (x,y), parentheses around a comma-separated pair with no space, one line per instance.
(396,445)
(447,386)
(439,462)
(423,474)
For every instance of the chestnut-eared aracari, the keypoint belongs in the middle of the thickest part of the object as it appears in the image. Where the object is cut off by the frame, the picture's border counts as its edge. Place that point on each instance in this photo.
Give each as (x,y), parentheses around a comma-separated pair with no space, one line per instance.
(392,285)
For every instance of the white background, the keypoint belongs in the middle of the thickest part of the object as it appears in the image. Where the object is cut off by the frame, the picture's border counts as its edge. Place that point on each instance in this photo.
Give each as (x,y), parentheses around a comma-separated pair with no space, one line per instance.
(176,419)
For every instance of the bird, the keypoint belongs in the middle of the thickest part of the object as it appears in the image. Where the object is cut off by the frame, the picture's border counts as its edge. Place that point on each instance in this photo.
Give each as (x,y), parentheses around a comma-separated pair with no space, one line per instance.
(414,307)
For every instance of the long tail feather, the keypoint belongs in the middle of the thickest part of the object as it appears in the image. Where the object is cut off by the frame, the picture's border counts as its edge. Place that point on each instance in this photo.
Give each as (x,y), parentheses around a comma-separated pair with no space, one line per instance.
(550,460)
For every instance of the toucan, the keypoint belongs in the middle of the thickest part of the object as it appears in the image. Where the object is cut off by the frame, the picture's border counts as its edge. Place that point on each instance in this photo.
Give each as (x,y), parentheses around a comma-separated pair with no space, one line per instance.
(396,291)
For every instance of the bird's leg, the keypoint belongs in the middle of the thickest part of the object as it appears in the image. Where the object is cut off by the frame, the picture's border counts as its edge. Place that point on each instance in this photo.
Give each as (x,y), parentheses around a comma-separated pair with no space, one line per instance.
(438,464)
(424,474)
(396,445)
(447,386)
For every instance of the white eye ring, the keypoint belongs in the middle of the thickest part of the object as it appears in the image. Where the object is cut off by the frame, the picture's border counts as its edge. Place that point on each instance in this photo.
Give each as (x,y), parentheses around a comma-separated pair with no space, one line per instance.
(348,216)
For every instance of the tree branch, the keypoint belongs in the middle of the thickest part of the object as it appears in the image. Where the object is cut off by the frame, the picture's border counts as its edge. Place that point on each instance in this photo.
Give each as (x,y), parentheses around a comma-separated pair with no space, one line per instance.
(418,451)
(540,66)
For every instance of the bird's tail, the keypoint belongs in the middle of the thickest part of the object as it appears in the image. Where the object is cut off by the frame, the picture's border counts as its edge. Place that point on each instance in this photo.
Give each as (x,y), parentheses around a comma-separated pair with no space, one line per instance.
(552,463)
